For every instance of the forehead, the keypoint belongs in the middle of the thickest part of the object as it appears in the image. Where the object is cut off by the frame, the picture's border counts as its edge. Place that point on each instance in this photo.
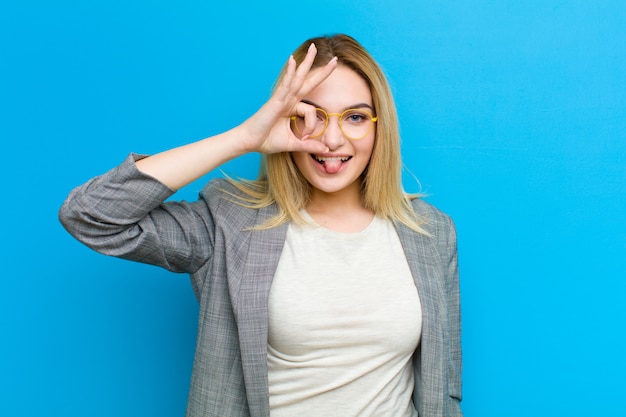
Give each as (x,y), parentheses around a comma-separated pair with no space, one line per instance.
(340,90)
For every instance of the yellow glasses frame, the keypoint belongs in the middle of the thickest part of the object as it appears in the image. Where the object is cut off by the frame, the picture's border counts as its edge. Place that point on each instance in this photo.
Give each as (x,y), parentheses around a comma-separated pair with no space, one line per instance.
(374,119)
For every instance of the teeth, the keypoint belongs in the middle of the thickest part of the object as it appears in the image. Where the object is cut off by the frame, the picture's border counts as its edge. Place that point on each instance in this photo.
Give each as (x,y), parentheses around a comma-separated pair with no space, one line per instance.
(331,158)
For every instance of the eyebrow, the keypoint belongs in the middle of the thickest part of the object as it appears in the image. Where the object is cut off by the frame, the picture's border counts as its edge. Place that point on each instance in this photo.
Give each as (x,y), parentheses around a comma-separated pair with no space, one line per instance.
(354,106)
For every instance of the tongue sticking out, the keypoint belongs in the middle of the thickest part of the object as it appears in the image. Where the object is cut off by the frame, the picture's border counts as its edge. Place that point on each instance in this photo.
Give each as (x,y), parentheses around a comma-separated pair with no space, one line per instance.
(332,166)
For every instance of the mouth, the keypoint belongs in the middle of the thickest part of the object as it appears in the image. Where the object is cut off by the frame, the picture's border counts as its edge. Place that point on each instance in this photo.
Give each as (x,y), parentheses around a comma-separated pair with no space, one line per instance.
(331,164)
(323,159)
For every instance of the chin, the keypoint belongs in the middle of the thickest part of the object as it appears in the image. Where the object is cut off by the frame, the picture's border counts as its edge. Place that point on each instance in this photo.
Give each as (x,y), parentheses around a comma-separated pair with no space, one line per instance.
(334,186)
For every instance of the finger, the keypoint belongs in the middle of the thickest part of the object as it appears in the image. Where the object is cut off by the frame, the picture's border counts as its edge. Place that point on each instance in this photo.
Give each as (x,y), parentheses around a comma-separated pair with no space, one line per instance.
(309,146)
(283,88)
(305,65)
(318,76)
(302,71)
(310,117)
(291,69)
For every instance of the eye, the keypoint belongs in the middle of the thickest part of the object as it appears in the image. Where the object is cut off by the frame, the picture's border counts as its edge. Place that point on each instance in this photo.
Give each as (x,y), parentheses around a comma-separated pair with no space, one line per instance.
(321,116)
(355,117)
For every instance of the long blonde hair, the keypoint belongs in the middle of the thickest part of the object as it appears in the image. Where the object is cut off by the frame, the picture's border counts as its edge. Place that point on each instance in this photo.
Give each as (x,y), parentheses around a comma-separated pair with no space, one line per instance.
(281,182)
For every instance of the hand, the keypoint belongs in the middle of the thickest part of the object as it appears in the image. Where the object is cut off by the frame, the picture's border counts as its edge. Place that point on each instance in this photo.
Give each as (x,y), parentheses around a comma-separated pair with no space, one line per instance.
(268,130)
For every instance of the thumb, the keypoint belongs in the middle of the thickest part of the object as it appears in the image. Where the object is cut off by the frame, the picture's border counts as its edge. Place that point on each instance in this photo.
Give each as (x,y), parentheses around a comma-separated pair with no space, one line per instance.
(310,146)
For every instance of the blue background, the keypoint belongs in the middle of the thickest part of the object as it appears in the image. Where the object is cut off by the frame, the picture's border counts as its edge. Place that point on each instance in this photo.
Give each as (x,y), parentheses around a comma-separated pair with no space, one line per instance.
(513,119)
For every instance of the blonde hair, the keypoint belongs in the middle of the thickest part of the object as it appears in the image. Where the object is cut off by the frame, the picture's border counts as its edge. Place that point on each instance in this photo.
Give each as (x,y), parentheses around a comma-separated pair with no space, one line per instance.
(281,182)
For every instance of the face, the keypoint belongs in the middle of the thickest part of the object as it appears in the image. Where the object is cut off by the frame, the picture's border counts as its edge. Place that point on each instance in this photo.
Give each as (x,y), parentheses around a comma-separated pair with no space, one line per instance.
(340,168)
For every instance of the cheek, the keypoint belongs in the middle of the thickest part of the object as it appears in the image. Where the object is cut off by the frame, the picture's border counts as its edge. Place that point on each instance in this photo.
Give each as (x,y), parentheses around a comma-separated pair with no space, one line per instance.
(299,159)
(366,146)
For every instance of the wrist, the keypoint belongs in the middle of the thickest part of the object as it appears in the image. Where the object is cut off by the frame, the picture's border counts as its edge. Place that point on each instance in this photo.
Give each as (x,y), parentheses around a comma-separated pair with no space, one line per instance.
(246,138)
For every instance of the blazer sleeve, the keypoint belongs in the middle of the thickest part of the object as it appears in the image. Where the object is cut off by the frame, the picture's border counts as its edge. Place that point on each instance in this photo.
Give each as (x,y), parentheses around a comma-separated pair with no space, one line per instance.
(454,320)
(122,213)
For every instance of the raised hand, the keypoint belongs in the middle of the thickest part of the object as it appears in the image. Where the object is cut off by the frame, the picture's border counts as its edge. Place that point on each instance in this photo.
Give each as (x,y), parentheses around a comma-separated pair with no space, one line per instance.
(268,130)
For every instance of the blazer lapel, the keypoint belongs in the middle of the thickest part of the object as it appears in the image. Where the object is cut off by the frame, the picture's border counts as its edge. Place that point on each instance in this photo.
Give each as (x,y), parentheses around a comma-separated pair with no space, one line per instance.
(251,309)
(424,263)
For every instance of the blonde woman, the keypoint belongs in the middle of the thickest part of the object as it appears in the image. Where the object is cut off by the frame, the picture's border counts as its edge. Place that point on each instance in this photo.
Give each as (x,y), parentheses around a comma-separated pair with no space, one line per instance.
(324,289)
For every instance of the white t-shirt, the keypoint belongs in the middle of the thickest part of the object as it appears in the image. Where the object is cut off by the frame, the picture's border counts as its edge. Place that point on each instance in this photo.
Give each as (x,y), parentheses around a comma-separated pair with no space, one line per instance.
(344,321)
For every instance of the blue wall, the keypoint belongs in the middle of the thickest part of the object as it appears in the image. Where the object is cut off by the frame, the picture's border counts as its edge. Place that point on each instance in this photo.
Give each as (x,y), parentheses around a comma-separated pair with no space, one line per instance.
(513,119)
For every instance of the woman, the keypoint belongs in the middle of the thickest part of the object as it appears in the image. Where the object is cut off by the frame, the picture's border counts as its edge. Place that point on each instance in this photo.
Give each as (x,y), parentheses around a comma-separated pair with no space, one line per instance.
(323,288)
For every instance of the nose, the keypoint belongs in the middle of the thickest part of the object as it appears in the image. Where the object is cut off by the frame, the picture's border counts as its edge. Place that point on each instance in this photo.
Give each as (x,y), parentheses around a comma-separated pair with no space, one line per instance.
(333,136)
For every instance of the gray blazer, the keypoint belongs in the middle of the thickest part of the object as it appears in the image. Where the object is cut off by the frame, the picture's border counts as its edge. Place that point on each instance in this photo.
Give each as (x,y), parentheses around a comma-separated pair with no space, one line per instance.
(122,213)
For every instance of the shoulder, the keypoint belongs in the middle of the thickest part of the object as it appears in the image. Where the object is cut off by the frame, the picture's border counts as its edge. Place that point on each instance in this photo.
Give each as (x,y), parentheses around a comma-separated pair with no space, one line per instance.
(221,194)
(218,189)
(228,203)
(436,222)
(429,213)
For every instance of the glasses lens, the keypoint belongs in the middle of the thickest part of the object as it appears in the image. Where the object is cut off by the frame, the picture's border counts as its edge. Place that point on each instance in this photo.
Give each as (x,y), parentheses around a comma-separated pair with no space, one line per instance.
(298,125)
(356,124)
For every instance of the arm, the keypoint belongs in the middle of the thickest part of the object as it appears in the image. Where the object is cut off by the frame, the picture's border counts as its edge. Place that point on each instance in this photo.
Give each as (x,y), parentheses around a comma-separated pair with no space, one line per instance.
(267,131)
(122,213)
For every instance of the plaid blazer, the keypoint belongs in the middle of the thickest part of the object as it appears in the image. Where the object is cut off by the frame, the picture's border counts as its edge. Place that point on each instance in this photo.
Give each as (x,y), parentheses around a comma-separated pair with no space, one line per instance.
(122,213)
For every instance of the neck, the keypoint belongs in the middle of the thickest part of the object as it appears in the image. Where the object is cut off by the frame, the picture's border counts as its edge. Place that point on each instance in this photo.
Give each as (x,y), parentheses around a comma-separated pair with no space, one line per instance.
(341,211)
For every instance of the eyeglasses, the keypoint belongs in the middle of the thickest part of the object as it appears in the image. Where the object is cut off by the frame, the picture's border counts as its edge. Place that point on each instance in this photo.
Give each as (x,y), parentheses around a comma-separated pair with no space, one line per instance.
(355,124)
